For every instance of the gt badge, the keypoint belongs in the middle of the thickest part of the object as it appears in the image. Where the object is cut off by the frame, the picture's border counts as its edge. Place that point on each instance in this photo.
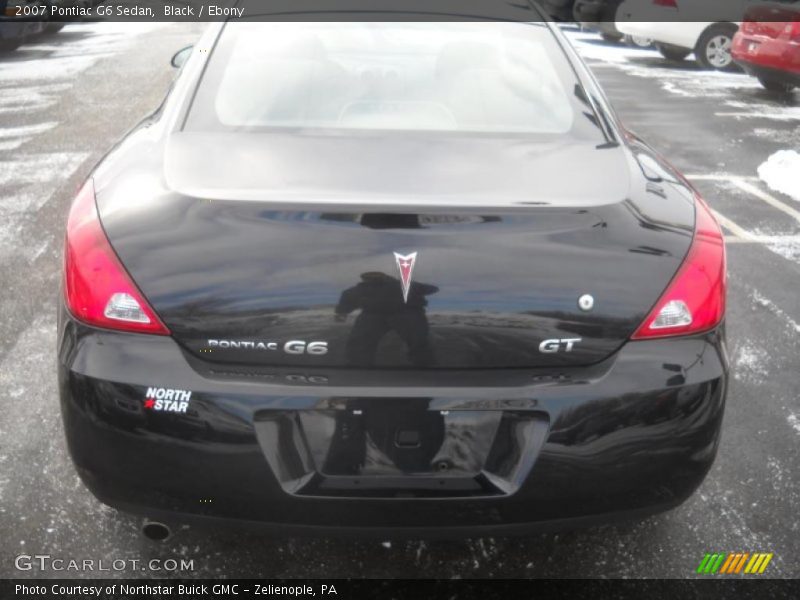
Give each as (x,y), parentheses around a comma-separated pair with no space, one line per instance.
(556,345)
(405,265)
(167,399)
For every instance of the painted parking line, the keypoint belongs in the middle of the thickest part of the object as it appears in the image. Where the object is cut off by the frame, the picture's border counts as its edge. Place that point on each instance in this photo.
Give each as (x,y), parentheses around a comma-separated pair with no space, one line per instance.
(739,233)
(765,240)
(768,198)
(785,246)
(719,177)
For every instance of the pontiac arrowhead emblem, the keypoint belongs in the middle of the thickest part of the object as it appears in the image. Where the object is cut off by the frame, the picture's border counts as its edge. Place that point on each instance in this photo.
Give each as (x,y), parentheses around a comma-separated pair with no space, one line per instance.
(405,265)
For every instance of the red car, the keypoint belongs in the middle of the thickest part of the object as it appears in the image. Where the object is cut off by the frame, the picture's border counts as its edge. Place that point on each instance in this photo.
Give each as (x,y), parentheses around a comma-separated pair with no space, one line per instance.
(768,48)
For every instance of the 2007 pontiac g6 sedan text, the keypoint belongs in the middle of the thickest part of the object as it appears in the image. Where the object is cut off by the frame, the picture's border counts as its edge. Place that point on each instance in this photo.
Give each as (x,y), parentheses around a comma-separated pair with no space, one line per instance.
(398,275)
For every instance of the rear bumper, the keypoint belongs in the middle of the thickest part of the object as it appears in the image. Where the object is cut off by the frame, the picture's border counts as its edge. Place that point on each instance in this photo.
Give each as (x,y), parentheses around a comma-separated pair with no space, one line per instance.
(631,436)
(764,57)
(769,73)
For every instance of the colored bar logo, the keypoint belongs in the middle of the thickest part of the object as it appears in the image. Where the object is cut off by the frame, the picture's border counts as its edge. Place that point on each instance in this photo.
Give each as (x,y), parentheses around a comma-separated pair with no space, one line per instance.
(733,563)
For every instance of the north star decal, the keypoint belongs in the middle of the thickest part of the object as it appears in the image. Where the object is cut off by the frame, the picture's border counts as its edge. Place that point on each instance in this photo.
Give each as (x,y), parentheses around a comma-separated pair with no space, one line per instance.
(405,264)
(167,399)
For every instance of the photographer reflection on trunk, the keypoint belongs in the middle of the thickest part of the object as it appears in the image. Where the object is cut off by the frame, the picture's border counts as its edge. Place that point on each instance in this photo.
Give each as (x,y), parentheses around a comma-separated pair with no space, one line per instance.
(383,309)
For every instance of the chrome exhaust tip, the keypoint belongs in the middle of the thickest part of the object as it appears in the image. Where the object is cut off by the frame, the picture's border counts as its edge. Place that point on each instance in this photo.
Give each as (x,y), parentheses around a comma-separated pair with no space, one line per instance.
(156,531)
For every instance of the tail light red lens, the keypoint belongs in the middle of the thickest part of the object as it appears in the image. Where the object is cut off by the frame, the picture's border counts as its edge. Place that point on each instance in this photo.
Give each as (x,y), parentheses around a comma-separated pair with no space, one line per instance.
(97,289)
(694,301)
(667,3)
(793,29)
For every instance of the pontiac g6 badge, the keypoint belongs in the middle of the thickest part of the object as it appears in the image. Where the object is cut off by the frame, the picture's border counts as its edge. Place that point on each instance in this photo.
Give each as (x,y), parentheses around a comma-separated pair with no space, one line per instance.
(290,347)
(405,264)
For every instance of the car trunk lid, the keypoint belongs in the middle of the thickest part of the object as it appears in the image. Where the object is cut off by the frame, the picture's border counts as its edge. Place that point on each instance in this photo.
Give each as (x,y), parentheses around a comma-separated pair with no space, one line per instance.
(271,252)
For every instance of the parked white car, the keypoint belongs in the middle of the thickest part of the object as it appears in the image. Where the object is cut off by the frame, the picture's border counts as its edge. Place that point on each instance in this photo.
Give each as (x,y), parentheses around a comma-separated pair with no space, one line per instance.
(709,40)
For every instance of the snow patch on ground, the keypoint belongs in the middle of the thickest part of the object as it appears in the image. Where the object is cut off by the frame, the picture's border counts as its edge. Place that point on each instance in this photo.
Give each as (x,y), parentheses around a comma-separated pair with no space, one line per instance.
(33,80)
(779,475)
(30,98)
(788,247)
(12,138)
(750,364)
(794,422)
(737,95)
(679,79)
(29,183)
(781,172)
(39,72)
(44,62)
(53,67)
(752,110)
(591,47)
(694,83)
(782,136)
(39,168)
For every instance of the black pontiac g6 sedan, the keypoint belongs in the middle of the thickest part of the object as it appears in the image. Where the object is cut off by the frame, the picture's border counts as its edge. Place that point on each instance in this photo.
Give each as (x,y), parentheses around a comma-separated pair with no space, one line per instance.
(395,274)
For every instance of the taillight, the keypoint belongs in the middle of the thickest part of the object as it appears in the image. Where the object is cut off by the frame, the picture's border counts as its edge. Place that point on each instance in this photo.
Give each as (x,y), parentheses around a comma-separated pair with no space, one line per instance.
(694,301)
(793,29)
(667,3)
(97,289)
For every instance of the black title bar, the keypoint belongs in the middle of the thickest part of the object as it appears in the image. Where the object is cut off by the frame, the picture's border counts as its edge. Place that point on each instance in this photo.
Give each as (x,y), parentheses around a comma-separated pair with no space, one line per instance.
(377,589)
(383,10)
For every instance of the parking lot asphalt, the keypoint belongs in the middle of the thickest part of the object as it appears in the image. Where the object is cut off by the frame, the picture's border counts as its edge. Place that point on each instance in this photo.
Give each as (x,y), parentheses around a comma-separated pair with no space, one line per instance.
(67,98)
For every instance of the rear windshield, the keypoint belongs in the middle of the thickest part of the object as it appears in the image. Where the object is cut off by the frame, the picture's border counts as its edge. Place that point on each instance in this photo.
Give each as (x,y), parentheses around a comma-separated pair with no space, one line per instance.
(486,77)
